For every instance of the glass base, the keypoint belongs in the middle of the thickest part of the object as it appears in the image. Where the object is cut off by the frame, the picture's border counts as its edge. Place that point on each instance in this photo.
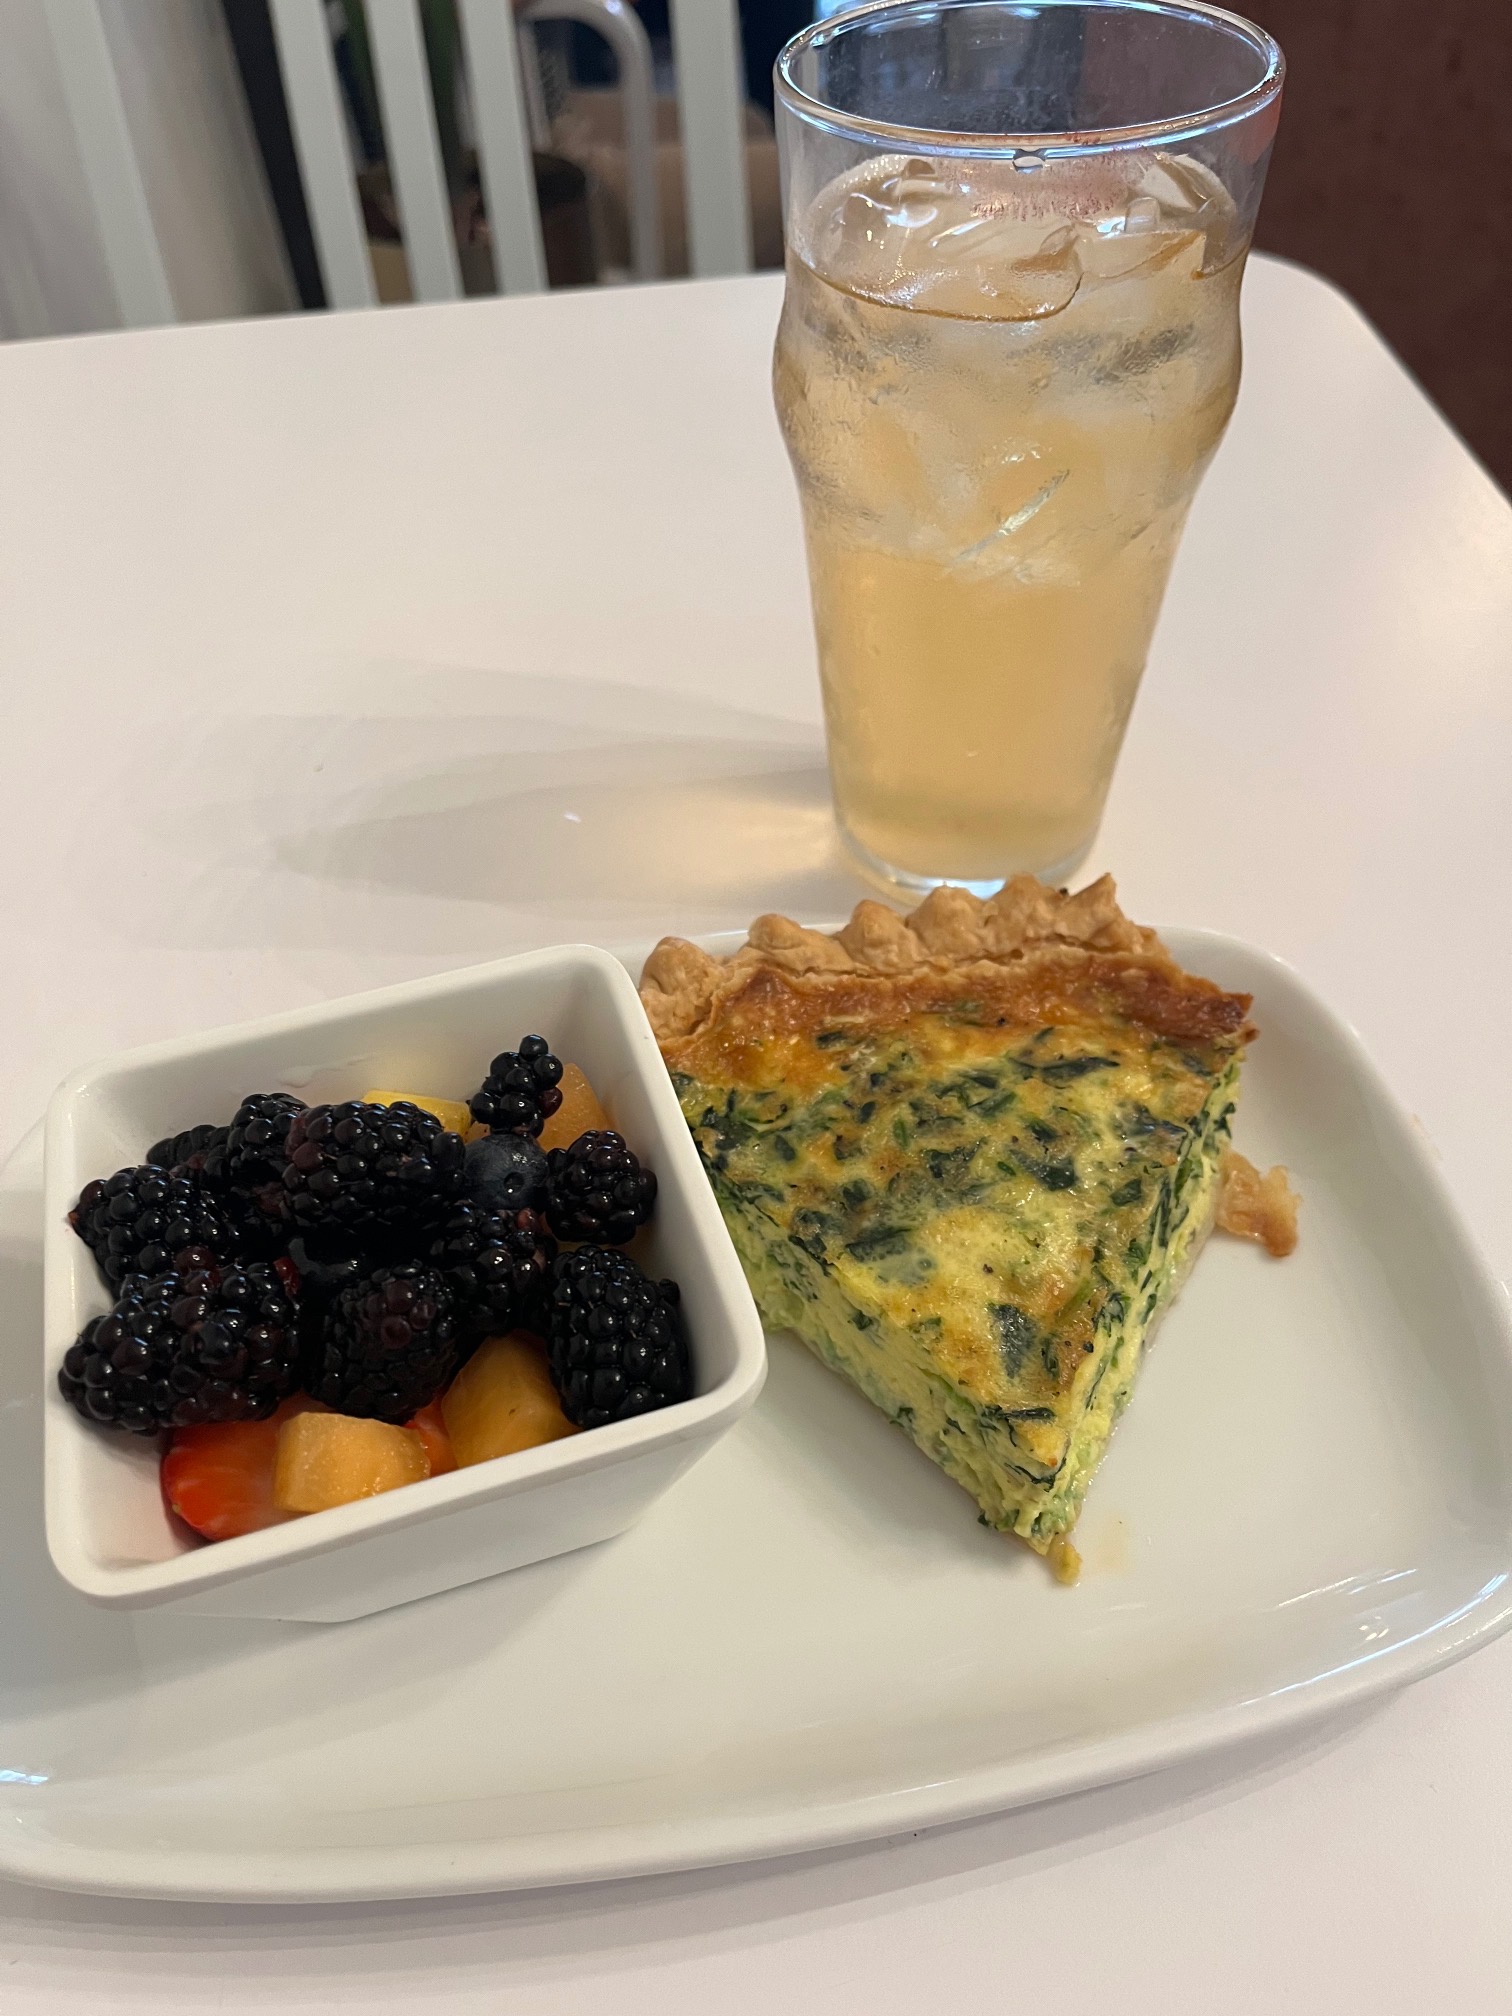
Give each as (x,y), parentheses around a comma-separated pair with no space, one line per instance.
(904,886)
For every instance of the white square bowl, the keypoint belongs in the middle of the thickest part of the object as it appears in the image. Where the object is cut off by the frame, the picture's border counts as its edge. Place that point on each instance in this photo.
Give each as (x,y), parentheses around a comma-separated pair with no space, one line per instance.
(107,1529)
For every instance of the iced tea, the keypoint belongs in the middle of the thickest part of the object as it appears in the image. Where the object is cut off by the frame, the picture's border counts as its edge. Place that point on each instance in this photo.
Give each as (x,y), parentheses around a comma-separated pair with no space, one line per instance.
(1000,386)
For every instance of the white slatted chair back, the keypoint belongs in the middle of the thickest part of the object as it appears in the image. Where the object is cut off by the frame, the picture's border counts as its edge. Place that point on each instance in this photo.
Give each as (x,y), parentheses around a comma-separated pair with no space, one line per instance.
(706,46)
(621,28)
(112,175)
(711,100)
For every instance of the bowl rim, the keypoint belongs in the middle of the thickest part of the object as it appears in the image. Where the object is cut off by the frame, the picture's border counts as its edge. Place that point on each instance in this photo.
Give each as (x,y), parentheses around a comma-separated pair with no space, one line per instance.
(214,1566)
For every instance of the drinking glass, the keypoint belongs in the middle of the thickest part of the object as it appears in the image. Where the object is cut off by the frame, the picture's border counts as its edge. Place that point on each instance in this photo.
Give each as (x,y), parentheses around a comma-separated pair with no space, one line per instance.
(1009,347)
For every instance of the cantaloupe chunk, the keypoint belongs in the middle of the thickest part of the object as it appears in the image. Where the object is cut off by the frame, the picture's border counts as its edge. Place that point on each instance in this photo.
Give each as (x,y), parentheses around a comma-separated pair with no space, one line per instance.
(579,1111)
(503,1401)
(332,1459)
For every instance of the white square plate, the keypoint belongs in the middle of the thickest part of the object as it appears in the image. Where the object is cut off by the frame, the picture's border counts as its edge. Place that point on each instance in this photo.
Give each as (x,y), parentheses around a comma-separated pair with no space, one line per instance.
(811,1640)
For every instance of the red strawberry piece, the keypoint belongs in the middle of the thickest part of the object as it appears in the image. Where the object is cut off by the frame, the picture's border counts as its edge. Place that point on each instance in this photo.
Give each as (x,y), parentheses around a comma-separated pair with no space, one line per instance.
(218,1477)
(431,1429)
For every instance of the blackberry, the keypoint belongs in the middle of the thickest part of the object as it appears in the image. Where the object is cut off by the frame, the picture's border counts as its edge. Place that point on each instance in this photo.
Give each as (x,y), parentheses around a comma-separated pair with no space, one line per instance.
(615,1343)
(188,1150)
(191,1345)
(506,1172)
(325,1263)
(499,1266)
(393,1169)
(391,1341)
(252,1156)
(599,1191)
(147,1220)
(520,1094)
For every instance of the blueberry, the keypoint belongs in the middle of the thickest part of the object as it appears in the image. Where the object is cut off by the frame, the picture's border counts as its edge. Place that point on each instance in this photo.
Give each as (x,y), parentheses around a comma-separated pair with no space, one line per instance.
(506,1172)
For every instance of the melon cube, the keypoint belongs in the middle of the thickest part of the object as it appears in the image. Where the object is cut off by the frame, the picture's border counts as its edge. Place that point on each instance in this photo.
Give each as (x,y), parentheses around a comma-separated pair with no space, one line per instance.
(578,1113)
(332,1459)
(503,1401)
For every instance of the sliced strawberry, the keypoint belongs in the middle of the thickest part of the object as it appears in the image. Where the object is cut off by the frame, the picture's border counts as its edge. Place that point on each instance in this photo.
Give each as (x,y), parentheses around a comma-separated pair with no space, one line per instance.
(219,1478)
(431,1429)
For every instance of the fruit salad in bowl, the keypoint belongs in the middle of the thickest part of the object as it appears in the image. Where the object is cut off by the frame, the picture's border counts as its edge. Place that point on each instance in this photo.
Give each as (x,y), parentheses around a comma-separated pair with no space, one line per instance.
(316,1316)
(299,1290)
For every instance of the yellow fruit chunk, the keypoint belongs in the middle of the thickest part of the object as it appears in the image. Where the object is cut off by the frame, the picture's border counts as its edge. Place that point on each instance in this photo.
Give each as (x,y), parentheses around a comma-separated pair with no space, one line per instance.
(579,1111)
(330,1459)
(452,1113)
(502,1401)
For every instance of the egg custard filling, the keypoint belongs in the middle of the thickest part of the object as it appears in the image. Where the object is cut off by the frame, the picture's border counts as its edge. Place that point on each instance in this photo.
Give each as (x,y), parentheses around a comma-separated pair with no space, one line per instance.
(968,1157)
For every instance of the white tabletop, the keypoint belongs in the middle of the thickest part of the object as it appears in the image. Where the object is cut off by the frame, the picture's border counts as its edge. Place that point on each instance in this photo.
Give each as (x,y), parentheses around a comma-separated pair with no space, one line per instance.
(344,648)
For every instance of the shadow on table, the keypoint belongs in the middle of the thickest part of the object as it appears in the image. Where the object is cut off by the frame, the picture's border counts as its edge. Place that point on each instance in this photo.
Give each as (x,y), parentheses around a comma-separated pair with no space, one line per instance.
(657,821)
(447,794)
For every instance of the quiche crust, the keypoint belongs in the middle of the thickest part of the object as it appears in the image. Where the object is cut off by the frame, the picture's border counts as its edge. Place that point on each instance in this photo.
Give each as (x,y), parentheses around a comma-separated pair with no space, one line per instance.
(1031,941)
(1262,1208)
(968,1156)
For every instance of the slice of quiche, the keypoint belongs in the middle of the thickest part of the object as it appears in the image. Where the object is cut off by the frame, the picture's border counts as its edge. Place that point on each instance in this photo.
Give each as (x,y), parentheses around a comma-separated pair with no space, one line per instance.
(969,1157)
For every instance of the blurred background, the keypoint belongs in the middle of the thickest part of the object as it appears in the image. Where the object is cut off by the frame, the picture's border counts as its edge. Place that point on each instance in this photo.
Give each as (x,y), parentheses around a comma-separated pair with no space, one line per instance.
(1390,173)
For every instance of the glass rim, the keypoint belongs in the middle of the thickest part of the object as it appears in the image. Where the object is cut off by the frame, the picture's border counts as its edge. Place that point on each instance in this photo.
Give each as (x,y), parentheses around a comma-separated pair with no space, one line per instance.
(1048,146)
